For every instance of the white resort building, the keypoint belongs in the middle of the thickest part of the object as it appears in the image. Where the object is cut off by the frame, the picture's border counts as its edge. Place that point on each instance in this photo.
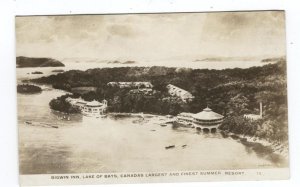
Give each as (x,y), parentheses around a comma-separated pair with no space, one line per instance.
(184,95)
(143,91)
(255,117)
(207,120)
(79,102)
(131,84)
(185,118)
(93,108)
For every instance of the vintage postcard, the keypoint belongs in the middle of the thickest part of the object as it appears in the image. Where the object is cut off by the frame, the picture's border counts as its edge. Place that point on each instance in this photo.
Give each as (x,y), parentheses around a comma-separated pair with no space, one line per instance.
(164,97)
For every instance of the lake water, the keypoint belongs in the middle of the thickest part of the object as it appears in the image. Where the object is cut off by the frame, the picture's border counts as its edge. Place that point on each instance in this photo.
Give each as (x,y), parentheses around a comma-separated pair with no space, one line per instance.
(126,144)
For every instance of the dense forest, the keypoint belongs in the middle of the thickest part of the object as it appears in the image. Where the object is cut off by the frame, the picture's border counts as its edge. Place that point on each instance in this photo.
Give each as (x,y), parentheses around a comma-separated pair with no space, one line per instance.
(28,89)
(230,92)
(60,104)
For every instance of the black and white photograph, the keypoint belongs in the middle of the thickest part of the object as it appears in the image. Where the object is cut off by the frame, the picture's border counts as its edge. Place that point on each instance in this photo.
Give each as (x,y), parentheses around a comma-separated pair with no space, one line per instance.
(152,97)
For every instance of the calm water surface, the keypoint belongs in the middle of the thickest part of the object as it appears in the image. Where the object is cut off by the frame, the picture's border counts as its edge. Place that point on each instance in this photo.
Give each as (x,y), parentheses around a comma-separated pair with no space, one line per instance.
(126,144)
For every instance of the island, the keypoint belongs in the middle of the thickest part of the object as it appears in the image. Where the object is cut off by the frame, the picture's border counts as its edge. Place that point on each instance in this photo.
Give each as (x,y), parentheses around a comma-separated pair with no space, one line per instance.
(37,72)
(225,59)
(28,89)
(275,59)
(129,62)
(58,71)
(125,62)
(23,62)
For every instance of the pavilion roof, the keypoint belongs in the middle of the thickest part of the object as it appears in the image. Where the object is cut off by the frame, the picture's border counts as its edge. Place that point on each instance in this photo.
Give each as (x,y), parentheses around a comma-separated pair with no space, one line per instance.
(94,103)
(208,114)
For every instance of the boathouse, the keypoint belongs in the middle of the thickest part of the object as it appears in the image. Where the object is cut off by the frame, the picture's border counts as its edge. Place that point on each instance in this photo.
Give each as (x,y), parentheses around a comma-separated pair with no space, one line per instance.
(185,118)
(207,120)
(95,108)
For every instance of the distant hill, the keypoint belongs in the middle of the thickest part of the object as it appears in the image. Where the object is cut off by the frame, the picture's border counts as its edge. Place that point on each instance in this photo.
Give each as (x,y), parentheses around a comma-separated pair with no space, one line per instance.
(220,59)
(118,62)
(275,59)
(37,62)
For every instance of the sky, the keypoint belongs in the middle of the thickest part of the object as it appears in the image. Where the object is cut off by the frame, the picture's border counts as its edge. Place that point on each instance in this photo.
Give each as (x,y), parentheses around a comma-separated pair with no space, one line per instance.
(152,36)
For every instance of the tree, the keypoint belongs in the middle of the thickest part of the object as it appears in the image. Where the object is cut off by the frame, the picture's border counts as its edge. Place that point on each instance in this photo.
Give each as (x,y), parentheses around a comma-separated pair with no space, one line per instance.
(237,105)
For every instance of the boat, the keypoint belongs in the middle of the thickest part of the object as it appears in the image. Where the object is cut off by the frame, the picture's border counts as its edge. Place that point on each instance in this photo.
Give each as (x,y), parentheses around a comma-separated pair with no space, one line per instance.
(163,125)
(40,124)
(170,147)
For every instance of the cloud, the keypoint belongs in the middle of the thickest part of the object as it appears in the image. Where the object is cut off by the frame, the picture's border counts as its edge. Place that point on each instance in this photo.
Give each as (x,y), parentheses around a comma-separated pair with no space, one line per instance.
(152,36)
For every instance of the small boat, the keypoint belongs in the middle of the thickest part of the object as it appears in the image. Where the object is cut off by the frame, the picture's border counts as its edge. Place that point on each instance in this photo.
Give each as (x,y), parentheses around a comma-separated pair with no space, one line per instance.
(163,125)
(40,124)
(48,125)
(153,130)
(170,122)
(183,146)
(54,126)
(170,147)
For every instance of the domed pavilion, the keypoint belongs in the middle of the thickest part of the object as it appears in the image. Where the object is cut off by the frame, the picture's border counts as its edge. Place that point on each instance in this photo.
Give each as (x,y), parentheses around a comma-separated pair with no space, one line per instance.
(95,108)
(207,120)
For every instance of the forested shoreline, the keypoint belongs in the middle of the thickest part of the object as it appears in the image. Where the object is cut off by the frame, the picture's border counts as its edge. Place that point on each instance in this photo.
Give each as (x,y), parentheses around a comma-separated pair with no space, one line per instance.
(230,92)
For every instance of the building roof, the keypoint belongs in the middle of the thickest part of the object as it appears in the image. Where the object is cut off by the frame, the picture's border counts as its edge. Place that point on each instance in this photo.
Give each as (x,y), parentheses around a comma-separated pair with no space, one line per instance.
(94,103)
(179,92)
(208,114)
(186,114)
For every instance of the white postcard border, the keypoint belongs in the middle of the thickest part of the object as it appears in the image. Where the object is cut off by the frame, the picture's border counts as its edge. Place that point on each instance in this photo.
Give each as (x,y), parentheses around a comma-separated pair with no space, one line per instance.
(155,177)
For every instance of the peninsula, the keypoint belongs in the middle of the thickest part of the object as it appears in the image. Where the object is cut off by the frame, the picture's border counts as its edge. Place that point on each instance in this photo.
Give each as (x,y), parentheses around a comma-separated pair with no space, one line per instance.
(23,62)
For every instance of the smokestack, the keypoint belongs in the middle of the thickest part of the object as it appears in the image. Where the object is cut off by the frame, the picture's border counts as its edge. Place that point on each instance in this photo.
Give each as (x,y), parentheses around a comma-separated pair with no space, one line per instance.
(260,109)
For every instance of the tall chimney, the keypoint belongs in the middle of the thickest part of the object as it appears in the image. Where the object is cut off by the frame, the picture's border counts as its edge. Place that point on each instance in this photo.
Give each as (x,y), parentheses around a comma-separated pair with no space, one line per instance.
(260,109)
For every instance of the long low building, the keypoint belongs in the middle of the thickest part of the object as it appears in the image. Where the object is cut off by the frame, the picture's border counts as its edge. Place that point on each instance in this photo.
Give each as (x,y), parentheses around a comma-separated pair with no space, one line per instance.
(143,91)
(207,120)
(131,84)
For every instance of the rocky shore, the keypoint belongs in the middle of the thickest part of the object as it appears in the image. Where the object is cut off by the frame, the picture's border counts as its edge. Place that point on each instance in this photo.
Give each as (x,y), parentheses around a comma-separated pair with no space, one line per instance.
(272,147)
